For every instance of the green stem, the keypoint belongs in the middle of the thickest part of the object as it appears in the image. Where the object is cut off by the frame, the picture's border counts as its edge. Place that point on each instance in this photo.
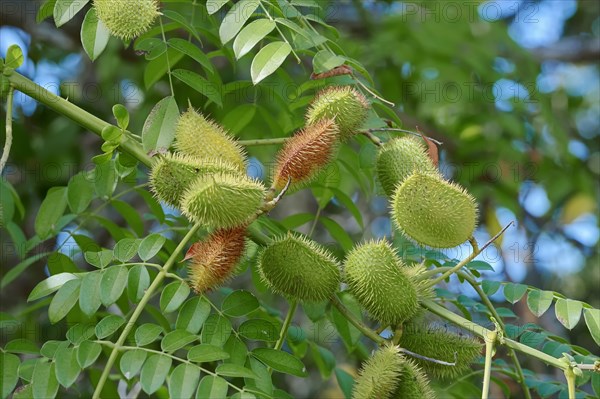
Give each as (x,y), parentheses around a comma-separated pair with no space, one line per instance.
(286,325)
(140,308)
(162,31)
(73,112)
(490,341)
(482,332)
(335,301)
(570,376)
(8,140)
(280,32)
(257,142)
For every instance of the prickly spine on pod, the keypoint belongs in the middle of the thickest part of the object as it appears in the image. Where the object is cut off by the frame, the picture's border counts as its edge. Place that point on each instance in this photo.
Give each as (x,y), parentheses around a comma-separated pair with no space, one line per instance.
(306,154)
(201,137)
(299,269)
(344,104)
(439,343)
(380,375)
(413,382)
(127,19)
(379,280)
(172,174)
(399,158)
(434,212)
(222,200)
(212,261)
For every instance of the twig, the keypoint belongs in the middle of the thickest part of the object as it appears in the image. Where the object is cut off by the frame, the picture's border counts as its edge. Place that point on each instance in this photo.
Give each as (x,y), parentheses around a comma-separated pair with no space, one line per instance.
(335,301)
(371,92)
(429,359)
(394,129)
(8,140)
(374,139)
(256,142)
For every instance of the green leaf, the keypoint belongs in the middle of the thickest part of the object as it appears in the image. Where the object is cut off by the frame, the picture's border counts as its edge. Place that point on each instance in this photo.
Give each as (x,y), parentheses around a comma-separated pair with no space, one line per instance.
(64,300)
(176,339)
(349,334)
(173,296)
(131,215)
(199,84)
(338,233)
(268,59)
(67,367)
(94,35)
(539,301)
(592,320)
(212,6)
(259,330)
(216,330)
(16,271)
(9,364)
(87,353)
(89,294)
(159,129)
(568,312)
(22,345)
(109,325)
(212,387)
(50,285)
(296,220)
(325,61)
(239,303)
(126,249)
(514,292)
(112,285)
(99,259)
(131,362)
(147,333)
(324,359)
(7,321)
(150,246)
(121,115)
(45,384)
(262,384)
(236,349)
(193,52)
(345,381)
(105,179)
(596,383)
(192,315)
(154,372)
(50,347)
(80,332)
(234,370)
(183,381)
(14,57)
(251,35)
(50,211)
(205,353)
(80,192)
(65,10)
(490,287)
(280,361)
(138,281)
(236,18)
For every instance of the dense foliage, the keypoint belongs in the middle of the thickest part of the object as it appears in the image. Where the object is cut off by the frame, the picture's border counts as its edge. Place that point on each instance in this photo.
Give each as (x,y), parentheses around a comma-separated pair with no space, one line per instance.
(269,201)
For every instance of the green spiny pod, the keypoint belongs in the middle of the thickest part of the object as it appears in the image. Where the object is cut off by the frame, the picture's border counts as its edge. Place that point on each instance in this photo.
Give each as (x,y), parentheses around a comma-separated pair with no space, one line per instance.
(344,104)
(440,344)
(172,174)
(380,375)
(222,200)
(127,19)
(433,212)
(399,158)
(299,268)
(305,154)
(378,279)
(422,284)
(200,137)
(413,383)
(213,260)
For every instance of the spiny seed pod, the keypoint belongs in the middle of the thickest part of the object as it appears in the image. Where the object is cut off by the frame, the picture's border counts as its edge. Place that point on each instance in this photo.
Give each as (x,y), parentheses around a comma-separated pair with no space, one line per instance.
(413,383)
(222,200)
(172,174)
(422,285)
(212,261)
(399,158)
(299,268)
(306,154)
(433,212)
(380,375)
(376,276)
(348,107)
(440,344)
(127,19)
(198,136)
